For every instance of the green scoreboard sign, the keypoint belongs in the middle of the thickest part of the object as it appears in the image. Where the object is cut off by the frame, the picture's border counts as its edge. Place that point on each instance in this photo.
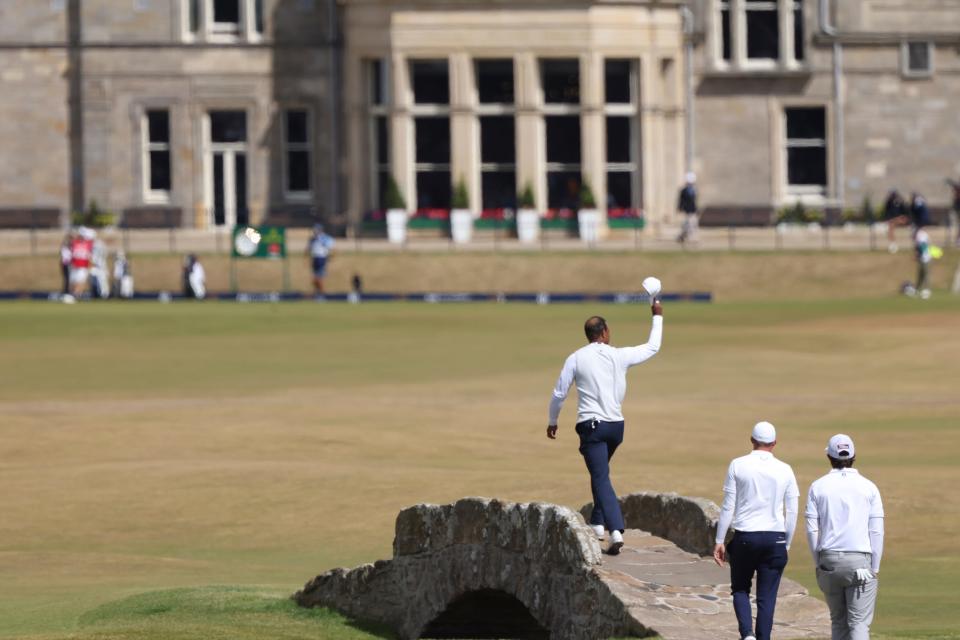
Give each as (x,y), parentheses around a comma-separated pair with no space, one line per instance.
(259,242)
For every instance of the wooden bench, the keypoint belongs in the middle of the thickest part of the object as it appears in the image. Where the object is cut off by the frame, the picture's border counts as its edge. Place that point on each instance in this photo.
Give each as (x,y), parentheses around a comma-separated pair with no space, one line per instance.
(29,218)
(736,216)
(152,218)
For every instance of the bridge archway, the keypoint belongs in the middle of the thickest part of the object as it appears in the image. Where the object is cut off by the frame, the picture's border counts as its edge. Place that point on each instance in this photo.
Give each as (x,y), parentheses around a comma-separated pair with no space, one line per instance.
(486,613)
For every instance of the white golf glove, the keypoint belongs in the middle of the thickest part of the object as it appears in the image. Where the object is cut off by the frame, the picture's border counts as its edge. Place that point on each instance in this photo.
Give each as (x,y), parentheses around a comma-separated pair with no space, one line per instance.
(864,576)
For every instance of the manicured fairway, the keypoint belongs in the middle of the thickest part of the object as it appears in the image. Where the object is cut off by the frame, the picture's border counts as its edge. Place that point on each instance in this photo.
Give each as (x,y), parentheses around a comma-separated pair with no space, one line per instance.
(148,447)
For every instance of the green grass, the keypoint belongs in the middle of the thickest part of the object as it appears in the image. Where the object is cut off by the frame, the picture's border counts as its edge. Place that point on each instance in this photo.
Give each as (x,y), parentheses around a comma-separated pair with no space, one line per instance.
(148,451)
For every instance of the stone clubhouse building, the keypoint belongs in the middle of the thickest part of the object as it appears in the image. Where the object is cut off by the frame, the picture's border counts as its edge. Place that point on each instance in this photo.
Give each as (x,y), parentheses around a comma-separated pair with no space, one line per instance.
(210,113)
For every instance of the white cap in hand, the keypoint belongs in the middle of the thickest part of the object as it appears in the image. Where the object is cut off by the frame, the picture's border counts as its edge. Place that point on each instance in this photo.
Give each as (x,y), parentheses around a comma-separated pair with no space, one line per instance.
(652,286)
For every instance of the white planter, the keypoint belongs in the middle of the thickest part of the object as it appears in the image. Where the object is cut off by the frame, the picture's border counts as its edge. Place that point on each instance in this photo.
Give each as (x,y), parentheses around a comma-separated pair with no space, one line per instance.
(461,225)
(589,221)
(528,225)
(396,226)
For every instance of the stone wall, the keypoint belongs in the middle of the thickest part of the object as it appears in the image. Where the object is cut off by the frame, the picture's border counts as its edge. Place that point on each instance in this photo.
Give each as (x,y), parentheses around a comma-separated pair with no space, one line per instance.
(542,555)
(689,523)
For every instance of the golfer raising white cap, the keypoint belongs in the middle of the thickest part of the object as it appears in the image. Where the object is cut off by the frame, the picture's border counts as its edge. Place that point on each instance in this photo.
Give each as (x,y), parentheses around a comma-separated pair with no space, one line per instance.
(760,501)
(845,534)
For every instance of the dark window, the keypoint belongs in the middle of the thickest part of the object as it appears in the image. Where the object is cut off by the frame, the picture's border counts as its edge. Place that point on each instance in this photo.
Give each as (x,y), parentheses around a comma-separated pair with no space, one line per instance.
(563,189)
(497,140)
(433,139)
(619,139)
(918,57)
(226,11)
(382,140)
(798,32)
(377,83)
(298,170)
(806,123)
(763,33)
(433,190)
(219,181)
(297,126)
(561,81)
(495,81)
(563,139)
(160,171)
(618,81)
(194,16)
(431,81)
(806,146)
(240,193)
(383,181)
(159,126)
(620,190)
(499,189)
(258,16)
(228,126)
(725,31)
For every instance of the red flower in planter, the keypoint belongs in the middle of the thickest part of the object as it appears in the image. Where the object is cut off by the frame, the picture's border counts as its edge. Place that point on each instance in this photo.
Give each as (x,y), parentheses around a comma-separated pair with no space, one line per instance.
(433,214)
(624,214)
(493,214)
(375,216)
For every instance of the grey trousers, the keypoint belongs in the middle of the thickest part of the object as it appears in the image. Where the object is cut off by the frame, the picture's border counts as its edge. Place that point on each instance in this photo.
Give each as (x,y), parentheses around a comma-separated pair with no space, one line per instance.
(851,603)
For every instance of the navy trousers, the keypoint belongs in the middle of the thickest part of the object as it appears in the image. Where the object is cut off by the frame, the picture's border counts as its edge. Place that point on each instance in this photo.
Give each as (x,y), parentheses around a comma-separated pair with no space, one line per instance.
(598,441)
(763,553)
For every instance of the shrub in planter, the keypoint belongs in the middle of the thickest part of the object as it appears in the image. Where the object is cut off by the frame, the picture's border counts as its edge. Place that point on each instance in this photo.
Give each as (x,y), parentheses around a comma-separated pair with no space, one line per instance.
(396,213)
(94,217)
(461,218)
(528,218)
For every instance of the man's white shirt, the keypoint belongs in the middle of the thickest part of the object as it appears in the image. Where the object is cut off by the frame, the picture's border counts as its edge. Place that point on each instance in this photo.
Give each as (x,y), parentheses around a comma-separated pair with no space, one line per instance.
(845,513)
(600,373)
(760,493)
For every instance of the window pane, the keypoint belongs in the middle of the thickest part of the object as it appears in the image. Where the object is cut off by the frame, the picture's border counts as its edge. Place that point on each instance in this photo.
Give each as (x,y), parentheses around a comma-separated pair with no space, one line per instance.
(383,181)
(619,81)
(194,16)
(226,11)
(297,126)
(807,166)
(219,206)
(433,140)
(918,56)
(240,193)
(561,81)
(433,190)
(725,32)
(499,189)
(620,190)
(431,81)
(377,83)
(563,189)
(497,140)
(382,140)
(798,32)
(298,171)
(495,81)
(763,34)
(159,126)
(258,16)
(228,126)
(160,171)
(619,139)
(563,139)
(806,123)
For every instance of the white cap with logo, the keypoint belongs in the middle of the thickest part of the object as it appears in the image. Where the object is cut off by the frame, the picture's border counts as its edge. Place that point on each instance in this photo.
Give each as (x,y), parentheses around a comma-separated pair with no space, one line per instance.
(764,433)
(840,447)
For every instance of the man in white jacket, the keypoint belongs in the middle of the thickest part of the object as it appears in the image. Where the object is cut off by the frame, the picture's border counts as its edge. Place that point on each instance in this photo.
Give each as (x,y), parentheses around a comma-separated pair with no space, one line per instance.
(845,535)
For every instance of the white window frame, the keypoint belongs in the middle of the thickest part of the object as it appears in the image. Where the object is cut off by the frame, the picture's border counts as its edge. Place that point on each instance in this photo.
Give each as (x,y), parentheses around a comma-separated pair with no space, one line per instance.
(785,60)
(215,32)
(419,110)
(288,146)
(375,111)
(150,195)
(810,194)
(485,109)
(906,71)
(630,110)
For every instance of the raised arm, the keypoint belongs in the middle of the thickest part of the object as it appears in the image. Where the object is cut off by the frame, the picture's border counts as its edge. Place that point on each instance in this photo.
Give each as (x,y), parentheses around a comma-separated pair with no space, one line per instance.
(560,391)
(631,356)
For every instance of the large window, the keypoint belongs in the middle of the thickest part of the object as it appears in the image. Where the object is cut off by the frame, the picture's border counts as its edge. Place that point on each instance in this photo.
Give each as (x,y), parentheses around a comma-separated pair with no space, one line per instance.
(378,133)
(622,139)
(158,179)
(298,152)
(430,80)
(560,82)
(806,150)
(222,20)
(758,34)
(917,59)
(498,155)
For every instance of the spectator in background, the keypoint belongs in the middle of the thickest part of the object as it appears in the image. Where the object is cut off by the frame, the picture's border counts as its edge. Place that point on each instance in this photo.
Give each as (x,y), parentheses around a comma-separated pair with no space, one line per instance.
(99,281)
(895,215)
(921,243)
(319,249)
(919,211)
(65,257)
(955,210)
(81,253)
(687,205)
(194,278)
(122,278)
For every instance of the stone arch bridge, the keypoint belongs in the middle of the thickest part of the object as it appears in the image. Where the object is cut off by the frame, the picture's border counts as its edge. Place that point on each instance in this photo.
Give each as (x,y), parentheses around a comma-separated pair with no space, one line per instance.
(482,568)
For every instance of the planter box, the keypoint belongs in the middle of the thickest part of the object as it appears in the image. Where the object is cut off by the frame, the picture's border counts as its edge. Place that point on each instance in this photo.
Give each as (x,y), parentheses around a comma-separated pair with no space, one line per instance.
(528,225)
(589,222)
(626,223)
(397,226)
(461,225)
